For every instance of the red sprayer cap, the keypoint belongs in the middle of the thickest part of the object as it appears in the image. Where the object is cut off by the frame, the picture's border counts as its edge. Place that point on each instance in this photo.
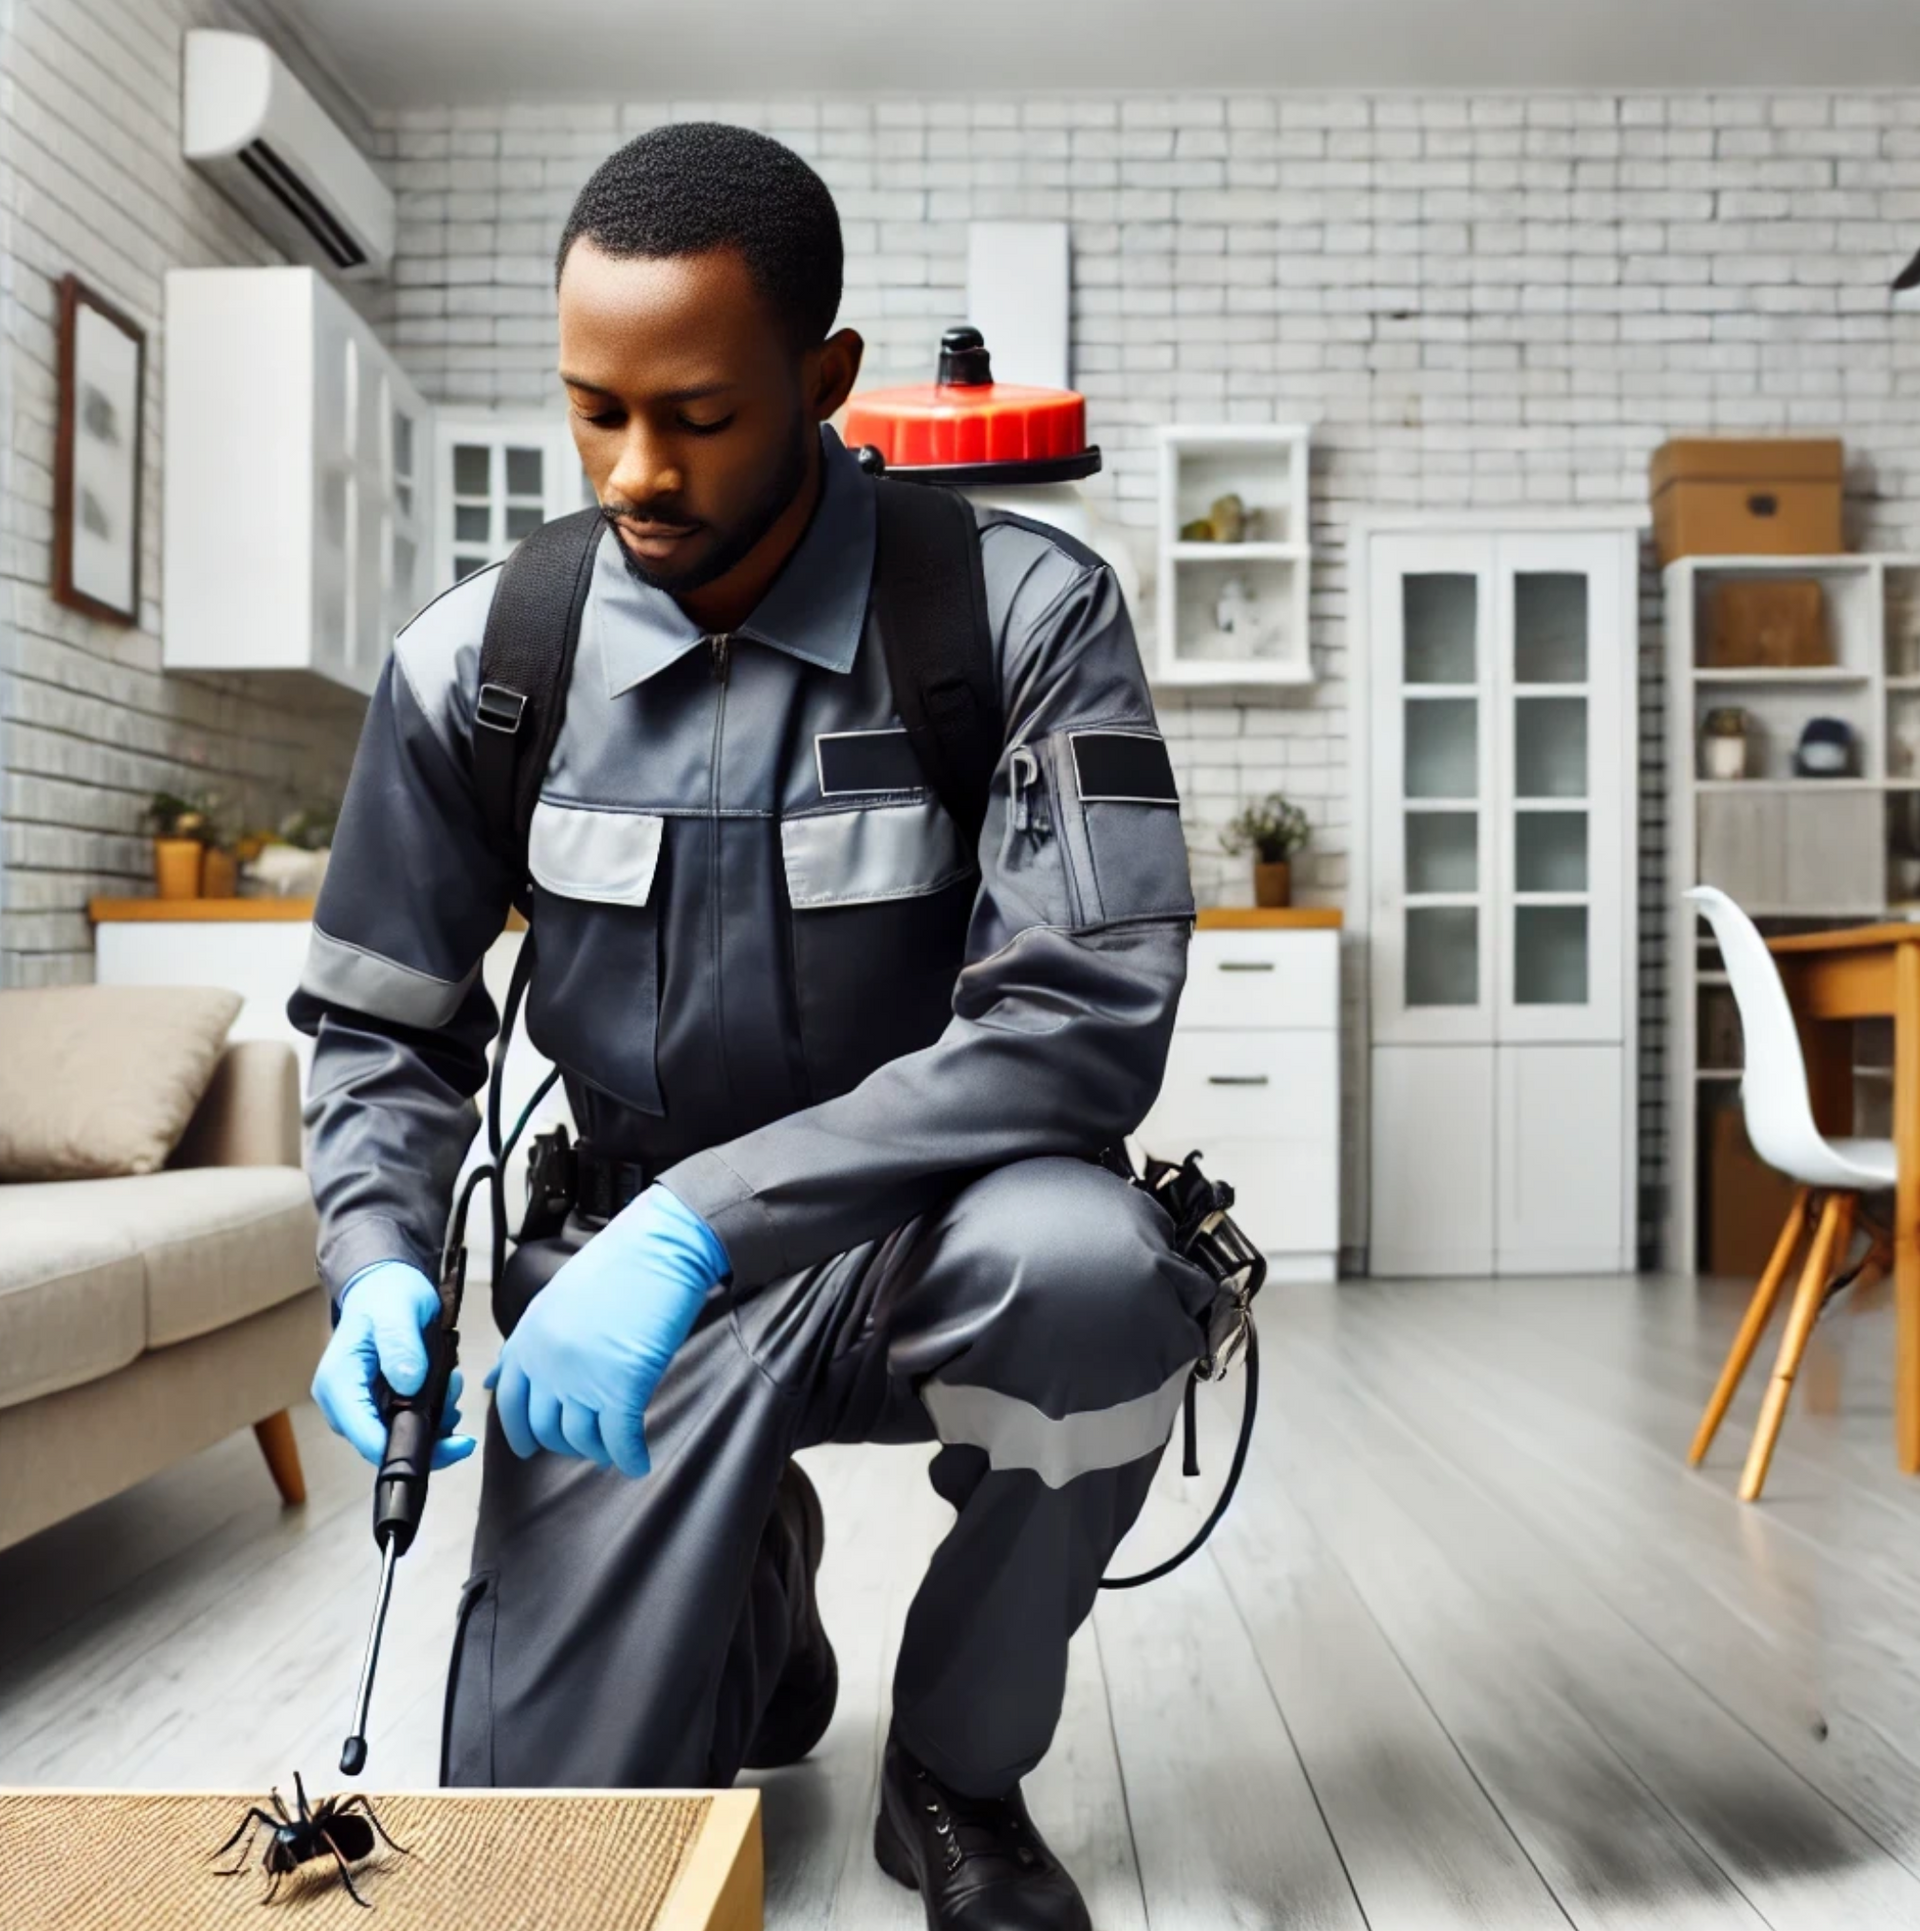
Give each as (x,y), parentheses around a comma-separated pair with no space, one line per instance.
(967,428)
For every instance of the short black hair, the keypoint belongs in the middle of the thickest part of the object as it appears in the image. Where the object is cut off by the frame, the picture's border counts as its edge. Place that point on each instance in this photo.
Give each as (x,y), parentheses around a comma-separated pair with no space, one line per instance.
(691,186)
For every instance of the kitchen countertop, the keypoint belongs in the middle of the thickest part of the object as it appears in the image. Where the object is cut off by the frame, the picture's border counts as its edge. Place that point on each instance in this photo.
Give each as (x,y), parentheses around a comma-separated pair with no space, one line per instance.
(1262,918)
(217,911)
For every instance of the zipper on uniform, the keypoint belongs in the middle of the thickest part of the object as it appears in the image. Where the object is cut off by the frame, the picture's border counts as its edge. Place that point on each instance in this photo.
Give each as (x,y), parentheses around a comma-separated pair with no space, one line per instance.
(720,644)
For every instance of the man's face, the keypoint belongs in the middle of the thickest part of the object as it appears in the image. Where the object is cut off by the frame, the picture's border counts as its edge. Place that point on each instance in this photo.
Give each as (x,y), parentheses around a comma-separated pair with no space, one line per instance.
(689,407)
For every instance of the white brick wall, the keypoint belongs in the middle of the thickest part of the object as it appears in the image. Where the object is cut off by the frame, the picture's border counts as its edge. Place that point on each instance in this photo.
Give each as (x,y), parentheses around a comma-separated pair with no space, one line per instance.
(94,185)
(1481,301)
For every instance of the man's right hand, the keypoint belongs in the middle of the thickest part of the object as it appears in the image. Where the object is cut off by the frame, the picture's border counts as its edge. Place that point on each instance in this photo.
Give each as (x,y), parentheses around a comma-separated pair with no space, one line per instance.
(384,1314)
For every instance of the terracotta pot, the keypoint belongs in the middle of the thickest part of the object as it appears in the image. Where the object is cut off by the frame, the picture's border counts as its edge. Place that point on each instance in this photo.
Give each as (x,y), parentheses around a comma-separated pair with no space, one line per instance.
(176,867)
(1272,884)
(220,876)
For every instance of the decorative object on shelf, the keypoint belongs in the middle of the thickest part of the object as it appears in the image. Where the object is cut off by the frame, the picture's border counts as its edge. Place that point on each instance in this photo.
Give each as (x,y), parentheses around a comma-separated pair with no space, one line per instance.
(1777,623)
(1825,749)
(181,828)
(96,480)
(291,862)
(1233,504)
(1236,614)
(220,873)
(1273,829)
(1228,521)
(1721,496)
(1723,744)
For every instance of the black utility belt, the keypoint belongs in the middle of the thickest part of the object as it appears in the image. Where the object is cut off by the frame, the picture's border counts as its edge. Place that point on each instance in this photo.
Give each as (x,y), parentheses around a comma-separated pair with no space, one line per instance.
(564,1178)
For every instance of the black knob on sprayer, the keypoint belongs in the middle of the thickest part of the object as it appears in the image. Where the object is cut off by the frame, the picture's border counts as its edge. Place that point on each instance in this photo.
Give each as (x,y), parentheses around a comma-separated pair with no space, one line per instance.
(964,361)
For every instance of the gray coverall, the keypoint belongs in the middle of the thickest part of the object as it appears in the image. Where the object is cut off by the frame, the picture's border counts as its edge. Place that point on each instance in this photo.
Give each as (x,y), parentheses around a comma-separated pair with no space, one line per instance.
(873,1061)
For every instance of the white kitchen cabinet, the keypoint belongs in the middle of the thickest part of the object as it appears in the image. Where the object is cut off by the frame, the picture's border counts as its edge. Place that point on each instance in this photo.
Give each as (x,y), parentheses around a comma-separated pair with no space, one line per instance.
(1253,1083)
(1501,672)
(298,479)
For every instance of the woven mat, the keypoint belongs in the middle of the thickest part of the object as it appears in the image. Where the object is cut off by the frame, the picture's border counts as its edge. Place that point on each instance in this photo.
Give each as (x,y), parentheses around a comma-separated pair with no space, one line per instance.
(140,1861)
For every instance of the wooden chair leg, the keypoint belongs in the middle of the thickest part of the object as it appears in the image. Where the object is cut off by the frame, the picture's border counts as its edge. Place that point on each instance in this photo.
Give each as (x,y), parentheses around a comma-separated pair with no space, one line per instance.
(1837,1213)
(1759,1313)
(275,1436)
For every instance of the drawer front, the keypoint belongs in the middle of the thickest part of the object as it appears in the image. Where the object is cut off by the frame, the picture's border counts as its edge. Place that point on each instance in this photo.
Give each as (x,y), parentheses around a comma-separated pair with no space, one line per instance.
(1252,980)
(1247,1086)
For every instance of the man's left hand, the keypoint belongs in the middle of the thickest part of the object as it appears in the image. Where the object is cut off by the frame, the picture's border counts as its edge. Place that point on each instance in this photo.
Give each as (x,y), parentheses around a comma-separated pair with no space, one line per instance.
(577,1373)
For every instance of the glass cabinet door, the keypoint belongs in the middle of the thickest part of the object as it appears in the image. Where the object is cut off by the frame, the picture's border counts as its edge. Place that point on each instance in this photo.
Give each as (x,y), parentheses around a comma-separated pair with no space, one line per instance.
(1563,799)
(1432,668)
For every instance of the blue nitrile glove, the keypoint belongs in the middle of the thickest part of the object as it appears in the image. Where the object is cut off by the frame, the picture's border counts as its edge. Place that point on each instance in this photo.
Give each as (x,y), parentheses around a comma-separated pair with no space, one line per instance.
(576,1375)
(384,1310)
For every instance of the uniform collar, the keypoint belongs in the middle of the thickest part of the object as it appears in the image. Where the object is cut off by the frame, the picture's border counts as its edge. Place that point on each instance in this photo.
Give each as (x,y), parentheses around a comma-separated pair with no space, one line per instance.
(814,609)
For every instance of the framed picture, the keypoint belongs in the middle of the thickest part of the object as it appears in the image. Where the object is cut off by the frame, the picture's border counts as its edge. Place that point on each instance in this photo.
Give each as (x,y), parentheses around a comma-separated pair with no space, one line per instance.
(96,472)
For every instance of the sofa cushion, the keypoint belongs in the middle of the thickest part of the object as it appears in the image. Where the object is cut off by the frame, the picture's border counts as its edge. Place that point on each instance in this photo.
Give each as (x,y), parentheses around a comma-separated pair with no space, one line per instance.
(101,1080)
(215,1243)
(73,1296)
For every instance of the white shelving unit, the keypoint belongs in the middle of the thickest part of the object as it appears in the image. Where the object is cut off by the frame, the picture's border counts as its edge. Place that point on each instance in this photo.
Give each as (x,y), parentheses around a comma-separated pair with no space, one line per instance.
(1266,465)
(499,474)
(1796,853)
(1498,663)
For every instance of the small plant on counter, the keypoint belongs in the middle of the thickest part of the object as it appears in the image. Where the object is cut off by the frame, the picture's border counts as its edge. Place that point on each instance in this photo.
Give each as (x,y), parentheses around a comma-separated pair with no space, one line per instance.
(182,829)
(1273,829)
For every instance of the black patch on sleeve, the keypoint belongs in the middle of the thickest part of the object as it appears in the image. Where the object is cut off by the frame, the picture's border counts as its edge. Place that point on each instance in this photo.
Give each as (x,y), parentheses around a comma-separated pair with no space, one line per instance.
(866,761)
(1122,767)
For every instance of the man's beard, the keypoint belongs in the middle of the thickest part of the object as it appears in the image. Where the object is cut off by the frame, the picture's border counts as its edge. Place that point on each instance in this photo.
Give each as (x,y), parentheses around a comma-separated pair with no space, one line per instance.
(782,485)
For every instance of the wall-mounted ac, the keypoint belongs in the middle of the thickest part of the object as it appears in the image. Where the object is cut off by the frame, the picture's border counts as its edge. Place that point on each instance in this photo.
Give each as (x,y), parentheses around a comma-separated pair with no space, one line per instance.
(251,124)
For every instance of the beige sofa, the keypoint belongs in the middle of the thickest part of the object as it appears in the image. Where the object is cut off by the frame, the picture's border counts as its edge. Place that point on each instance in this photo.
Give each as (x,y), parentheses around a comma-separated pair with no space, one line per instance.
(142,1319)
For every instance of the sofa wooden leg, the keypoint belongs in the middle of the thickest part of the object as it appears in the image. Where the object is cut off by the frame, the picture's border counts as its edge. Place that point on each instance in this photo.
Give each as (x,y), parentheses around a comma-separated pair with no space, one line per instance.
(275,1436)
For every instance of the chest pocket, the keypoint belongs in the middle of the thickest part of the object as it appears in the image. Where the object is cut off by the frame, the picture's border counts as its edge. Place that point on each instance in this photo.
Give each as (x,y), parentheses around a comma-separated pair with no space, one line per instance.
(594,1003)
(880,894)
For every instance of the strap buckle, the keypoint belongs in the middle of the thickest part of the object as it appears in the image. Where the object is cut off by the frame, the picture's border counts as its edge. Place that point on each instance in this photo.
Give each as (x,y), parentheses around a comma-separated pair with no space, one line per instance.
(500,709)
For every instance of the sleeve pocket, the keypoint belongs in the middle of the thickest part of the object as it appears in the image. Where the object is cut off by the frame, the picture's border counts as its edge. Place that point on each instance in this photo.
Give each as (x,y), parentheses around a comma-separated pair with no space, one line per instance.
(1121,828)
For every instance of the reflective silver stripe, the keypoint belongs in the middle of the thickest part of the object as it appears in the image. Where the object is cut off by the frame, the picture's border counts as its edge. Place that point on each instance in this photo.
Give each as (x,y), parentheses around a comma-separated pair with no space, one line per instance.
(606,856)
(879,852)
(344,975)
(1016,1434)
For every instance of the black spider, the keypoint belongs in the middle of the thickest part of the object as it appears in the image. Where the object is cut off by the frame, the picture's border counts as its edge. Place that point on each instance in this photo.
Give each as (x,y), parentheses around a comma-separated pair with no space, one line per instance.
(334,1828)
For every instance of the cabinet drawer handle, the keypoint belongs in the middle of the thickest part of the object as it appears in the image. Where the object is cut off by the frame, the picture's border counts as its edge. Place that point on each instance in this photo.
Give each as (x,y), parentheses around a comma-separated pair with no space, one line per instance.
(1246,965)
(1236,1079)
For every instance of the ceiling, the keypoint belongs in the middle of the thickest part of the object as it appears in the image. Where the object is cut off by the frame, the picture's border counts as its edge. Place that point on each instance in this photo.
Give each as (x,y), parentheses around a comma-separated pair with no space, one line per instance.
(470,51)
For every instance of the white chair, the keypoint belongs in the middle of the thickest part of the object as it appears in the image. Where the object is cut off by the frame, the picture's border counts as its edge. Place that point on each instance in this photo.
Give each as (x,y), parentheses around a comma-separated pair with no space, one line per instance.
(1780,1125)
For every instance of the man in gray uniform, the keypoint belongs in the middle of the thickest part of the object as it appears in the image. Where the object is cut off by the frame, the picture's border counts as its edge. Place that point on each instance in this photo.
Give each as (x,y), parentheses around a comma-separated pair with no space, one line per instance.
(845,1073)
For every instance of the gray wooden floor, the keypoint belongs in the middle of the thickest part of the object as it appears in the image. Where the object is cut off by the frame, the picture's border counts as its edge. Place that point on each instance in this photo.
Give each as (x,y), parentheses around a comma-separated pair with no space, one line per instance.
(1474,1648)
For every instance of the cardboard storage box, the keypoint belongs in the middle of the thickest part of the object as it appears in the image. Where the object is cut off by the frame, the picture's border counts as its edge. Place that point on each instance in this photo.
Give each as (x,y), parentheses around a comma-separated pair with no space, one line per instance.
(1714,496)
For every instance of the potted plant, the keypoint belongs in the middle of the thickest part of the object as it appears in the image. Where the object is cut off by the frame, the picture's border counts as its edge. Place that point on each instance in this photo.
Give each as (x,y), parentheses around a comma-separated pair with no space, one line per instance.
(180,828)
(1723,744)
(1273,829)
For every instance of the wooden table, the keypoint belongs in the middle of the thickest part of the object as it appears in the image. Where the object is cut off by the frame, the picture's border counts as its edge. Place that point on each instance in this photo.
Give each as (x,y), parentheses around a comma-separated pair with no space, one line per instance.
(510,1860)
(1833,978)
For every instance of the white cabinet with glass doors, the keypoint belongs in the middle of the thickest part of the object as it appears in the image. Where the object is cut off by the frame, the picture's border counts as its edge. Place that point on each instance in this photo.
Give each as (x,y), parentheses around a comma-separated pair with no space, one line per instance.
(499,476)
(1500,669)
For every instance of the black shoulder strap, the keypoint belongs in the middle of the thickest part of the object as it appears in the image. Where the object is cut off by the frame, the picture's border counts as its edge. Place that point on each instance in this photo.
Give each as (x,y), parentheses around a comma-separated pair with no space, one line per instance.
(932,603)
(526,659)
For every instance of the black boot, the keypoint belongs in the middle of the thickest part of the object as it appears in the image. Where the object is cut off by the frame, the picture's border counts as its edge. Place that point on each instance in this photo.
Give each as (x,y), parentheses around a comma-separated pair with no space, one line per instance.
(802,1705)
(977,1862)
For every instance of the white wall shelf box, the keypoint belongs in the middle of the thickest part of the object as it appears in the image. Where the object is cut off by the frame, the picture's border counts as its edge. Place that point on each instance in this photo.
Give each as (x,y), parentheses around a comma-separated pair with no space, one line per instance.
(1786,848)
(1495,660)
(298,489)
(1265,464)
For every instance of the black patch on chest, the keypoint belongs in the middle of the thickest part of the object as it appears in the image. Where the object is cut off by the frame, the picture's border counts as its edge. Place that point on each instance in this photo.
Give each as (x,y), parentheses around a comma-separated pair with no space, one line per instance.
(866,761)
(1119,767)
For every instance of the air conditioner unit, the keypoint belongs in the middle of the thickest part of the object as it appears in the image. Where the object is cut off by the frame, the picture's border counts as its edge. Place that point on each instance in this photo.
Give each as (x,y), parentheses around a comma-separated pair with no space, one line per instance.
(251,124)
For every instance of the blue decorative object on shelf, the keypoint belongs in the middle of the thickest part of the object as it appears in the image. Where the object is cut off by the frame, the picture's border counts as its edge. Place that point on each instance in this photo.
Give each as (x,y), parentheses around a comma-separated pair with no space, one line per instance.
(1825,749)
